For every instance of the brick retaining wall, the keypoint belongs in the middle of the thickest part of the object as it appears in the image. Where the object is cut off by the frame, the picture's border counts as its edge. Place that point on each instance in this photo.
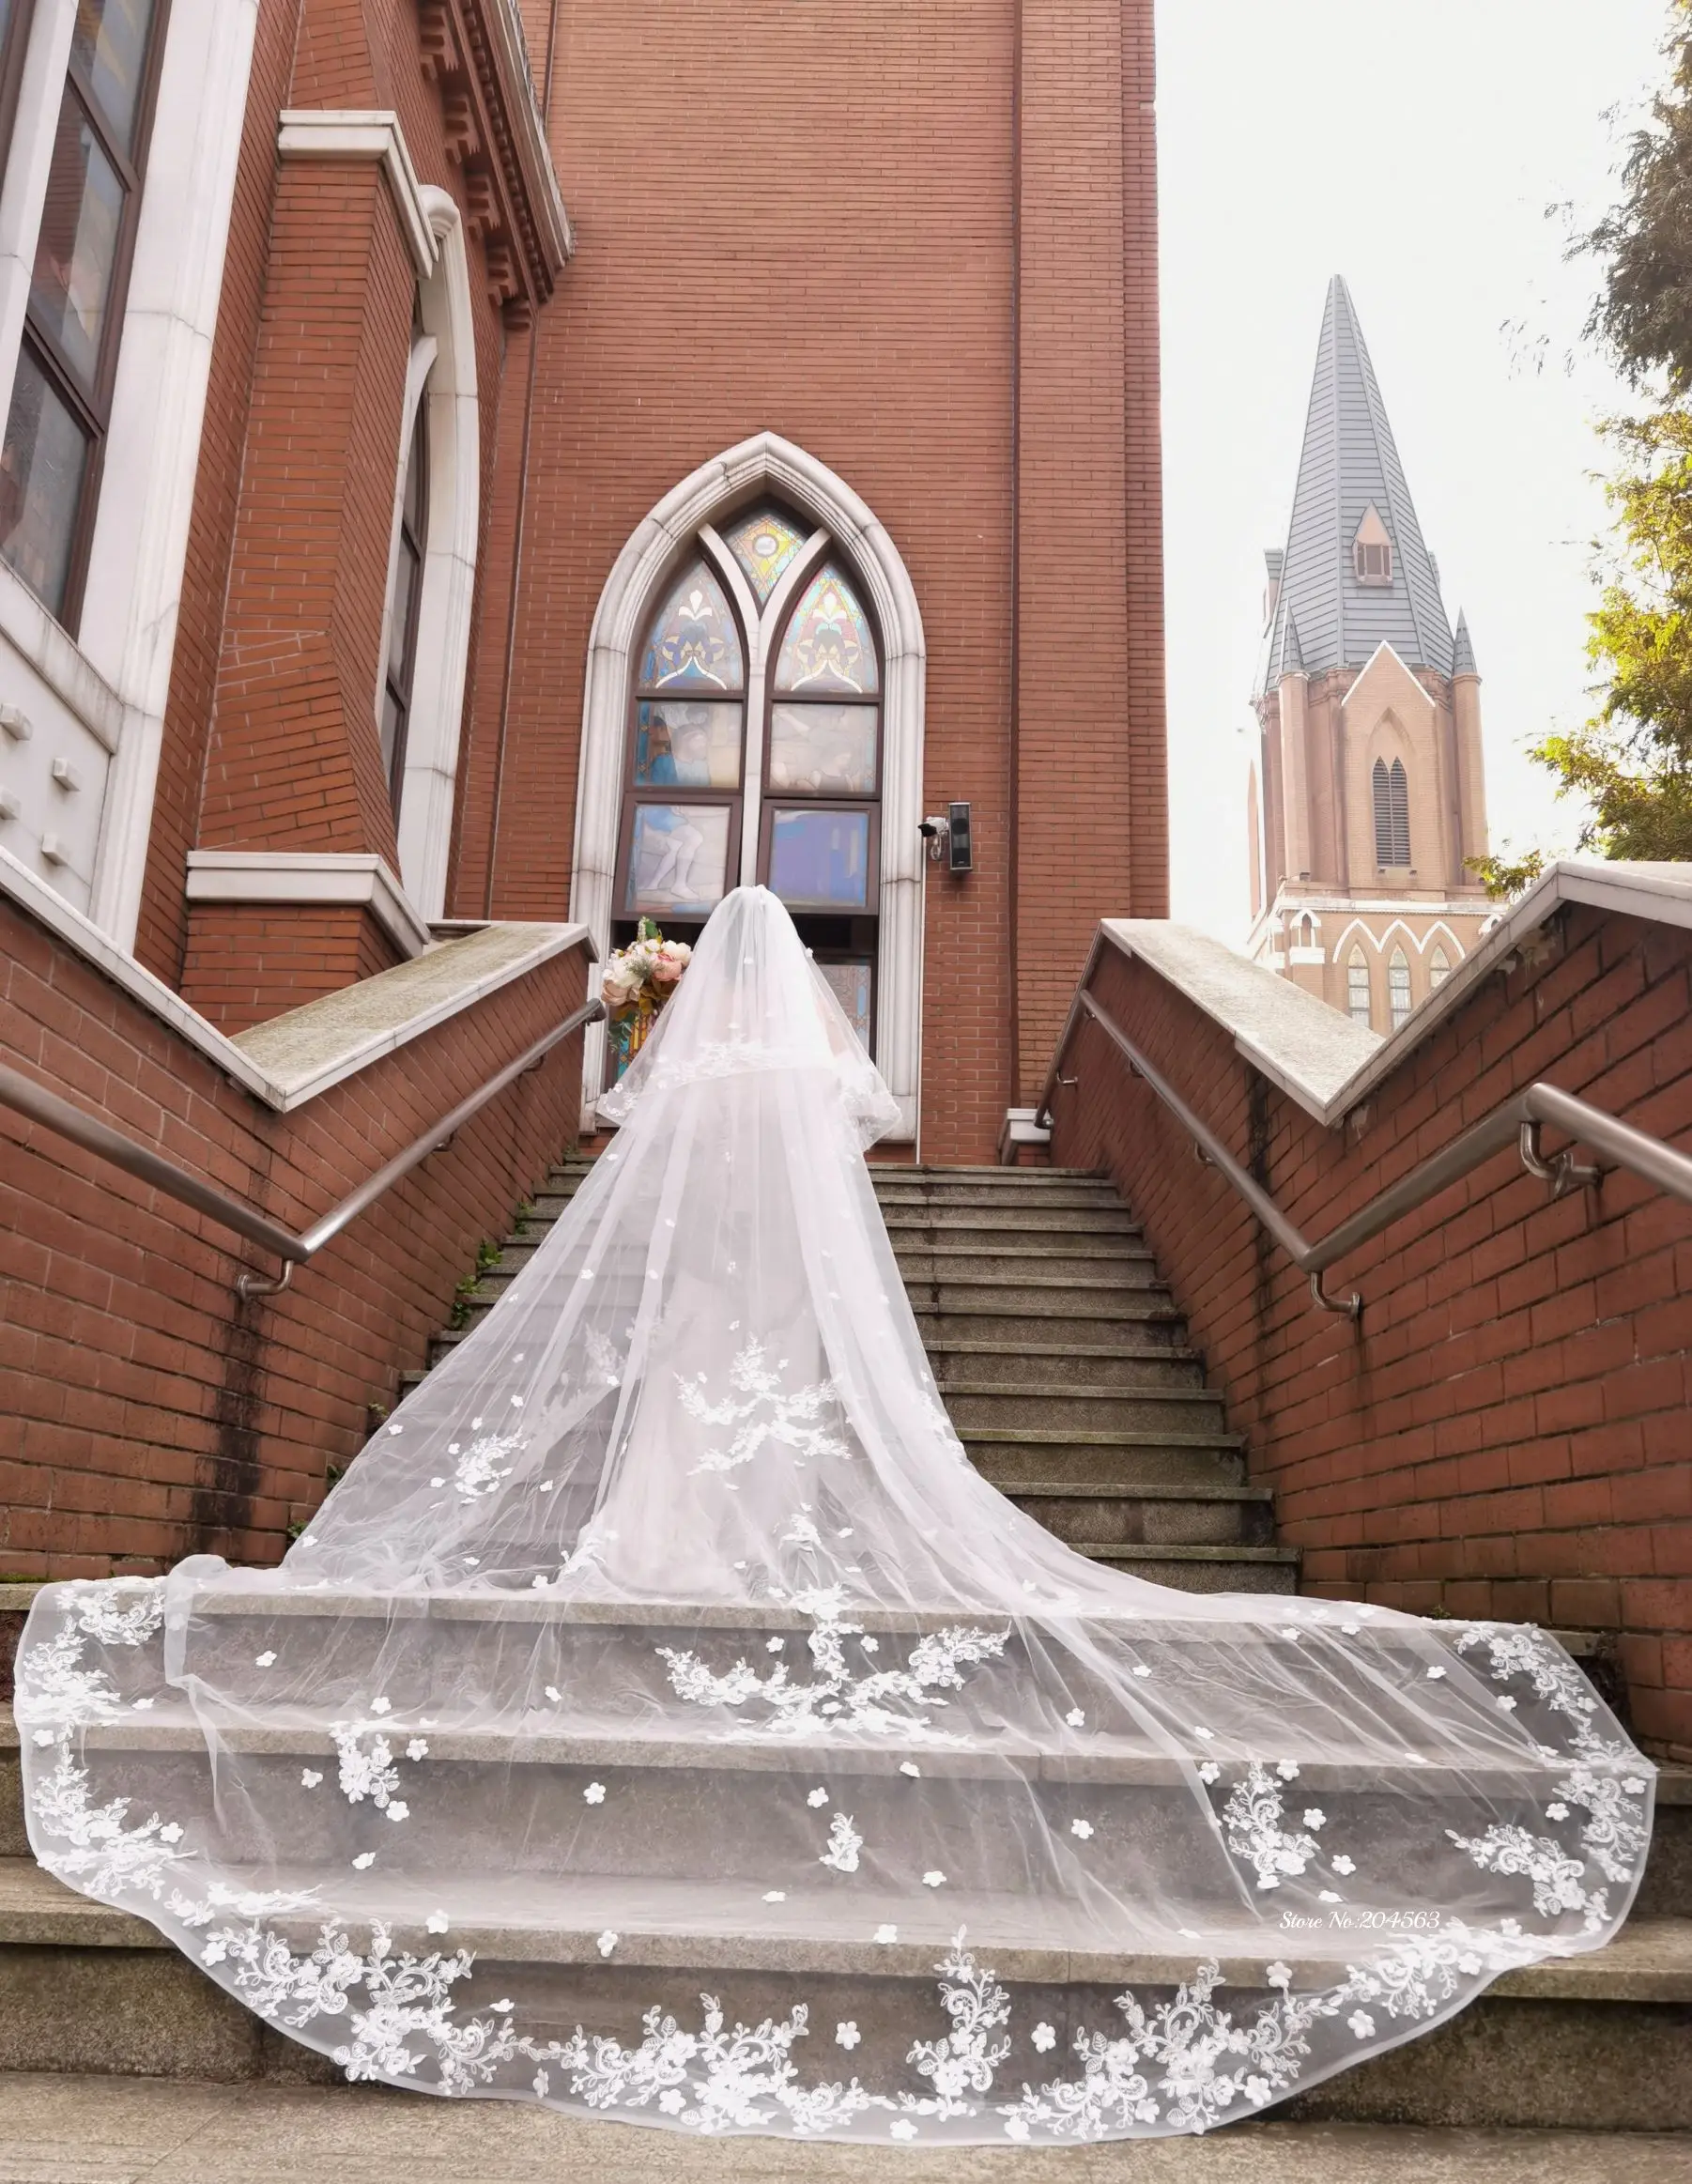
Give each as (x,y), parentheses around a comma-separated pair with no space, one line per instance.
(149,1414)
(1507,1434)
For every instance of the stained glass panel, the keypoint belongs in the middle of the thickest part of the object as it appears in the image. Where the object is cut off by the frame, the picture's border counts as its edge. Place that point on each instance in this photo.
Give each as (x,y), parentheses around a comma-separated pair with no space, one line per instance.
(678,860)
(686,746)
(827,750)
(850,985)
(828,647)
(819,860)
(694,643)
(763,543)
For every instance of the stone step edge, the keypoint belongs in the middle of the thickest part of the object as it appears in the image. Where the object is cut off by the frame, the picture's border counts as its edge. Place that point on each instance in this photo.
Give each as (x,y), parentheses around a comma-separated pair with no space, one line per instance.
(1130,1490)
(1062,1391)
(975,1437)
(1651,1960)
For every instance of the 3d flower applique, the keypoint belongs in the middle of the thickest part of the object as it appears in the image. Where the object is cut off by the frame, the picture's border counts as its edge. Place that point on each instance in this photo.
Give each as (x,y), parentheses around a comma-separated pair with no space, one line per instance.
(309,1777)
(886,1934)
(263,1660)
(911,1768)
(141,1704)
(1016,2127)
(775,1895)
(1315,1816)
(170,1832)
(773,1645)
(436,1922)
(553,1693)
(1141,1670)
(418,1748)
(935,1880)
(396,1429)
(593,1793)
(1075,1718)
(1557,1811)
(1434,1673)
(1279,1974)
(1329,1896)
(847,2035)
(608,1941)
(1344,1864)
(364,1860)
(817,1796)
(381,1706)
(870,1645)
(1362,2023)
(397,1808)
(902,2130)
(1505,1703)
(1287,1770)
(1351,1629)
(1044,2037)
(1208,1770)
(1084,1828)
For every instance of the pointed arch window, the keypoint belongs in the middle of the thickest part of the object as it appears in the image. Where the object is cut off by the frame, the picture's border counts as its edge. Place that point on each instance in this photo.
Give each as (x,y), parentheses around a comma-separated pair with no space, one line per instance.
(736,771)
(1392,796)
(1398,988)
(1438,969)
(1357,986)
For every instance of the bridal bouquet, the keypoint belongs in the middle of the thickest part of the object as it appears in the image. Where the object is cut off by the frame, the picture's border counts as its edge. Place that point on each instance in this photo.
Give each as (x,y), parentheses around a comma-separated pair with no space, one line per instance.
(638,981)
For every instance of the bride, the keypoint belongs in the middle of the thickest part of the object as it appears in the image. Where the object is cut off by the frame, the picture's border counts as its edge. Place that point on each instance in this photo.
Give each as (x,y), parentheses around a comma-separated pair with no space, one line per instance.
(663,1718)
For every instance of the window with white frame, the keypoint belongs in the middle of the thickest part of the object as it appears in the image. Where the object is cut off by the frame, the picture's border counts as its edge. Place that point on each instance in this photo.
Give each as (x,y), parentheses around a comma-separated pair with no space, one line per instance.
(61,396)
(1438,969)
(1398,988)
(1357,987)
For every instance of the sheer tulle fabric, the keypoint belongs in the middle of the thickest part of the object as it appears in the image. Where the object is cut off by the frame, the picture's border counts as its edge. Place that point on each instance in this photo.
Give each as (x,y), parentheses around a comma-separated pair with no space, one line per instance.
(663,1718)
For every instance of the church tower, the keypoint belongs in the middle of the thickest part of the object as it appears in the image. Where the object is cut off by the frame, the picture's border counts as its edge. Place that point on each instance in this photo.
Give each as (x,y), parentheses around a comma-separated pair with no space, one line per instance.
(1368,791)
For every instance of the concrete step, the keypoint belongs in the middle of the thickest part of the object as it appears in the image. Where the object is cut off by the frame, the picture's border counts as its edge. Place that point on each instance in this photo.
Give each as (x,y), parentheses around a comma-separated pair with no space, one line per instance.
(1147,1467)
(1122,1365)
(947,1224)
(97,2128)
(81,1984)
(995,1406)
(1088,1515)
(1109,1268)
(1205,1569)
(1134,1316)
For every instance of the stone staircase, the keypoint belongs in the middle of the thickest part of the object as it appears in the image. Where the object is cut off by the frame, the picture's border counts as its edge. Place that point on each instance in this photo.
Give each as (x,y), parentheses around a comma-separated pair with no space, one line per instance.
(1064,1364)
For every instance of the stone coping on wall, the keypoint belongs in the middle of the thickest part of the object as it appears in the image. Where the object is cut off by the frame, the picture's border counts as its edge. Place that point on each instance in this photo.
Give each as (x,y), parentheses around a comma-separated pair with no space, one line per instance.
(307,1049)
(1318,1057)
(294,1057)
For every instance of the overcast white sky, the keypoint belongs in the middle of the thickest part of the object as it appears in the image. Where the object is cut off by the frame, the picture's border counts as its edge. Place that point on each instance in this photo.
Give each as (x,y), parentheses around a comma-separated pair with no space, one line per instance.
(1414,148)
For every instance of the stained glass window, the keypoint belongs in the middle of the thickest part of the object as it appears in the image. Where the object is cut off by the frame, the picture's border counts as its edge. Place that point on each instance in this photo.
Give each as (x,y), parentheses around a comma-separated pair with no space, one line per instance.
(828,647)
(685,744)
(827,750)
(819,860)
(1438,969)
(763,543)
(678,860)
(694,642)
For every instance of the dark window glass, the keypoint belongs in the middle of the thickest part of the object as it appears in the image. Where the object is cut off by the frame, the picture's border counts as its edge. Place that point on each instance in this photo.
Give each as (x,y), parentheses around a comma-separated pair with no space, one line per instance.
(109,50)
(42,465)
(408,585)
(76,251)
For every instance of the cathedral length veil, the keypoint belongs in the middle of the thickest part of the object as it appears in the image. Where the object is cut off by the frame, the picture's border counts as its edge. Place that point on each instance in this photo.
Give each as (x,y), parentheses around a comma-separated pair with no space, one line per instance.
(663,1718)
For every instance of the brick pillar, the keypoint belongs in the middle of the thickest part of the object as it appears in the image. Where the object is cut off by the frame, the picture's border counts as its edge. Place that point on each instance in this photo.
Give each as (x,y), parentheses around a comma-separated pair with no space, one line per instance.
(295,759)
(1092,828)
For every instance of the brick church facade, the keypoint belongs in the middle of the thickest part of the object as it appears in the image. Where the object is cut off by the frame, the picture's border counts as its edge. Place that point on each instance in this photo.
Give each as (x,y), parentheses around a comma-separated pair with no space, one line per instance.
(477,472)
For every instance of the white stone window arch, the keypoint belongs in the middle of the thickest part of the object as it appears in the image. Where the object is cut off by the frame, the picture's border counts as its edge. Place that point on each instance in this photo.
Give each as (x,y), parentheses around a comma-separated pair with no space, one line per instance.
(442,376)
(682,523)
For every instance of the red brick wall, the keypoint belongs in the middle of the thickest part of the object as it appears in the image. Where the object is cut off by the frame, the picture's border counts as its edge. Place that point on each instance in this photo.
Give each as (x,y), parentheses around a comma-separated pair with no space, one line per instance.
(150,1413)
(853,289)
(1507,1432)
(248,961)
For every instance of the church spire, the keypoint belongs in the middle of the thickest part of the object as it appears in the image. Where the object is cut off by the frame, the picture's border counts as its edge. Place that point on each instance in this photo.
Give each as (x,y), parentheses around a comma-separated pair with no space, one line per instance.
(1356,571)
(1462,658)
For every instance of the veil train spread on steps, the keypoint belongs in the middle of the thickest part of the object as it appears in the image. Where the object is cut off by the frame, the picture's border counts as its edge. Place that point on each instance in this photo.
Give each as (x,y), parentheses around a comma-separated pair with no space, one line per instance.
(662,1718)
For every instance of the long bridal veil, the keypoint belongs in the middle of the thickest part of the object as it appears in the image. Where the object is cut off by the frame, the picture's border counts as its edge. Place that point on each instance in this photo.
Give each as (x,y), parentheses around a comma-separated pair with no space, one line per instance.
(663,1718)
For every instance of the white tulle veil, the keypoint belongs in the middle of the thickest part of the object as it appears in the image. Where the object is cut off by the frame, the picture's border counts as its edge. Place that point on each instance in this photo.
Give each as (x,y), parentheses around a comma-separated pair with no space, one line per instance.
(663,1718)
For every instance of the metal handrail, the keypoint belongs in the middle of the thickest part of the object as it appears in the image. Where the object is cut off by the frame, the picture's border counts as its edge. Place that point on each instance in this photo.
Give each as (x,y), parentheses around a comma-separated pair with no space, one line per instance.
(66,1120)
(1516,1121)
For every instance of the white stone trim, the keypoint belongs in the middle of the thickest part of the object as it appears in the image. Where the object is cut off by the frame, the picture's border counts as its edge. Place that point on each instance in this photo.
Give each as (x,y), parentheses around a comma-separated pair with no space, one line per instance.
(470,978)
(116,679)
(365,134)
(322,877)
(778,466)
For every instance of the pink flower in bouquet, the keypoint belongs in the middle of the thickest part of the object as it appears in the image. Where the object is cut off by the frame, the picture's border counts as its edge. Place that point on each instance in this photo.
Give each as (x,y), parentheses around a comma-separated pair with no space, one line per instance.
(673,958)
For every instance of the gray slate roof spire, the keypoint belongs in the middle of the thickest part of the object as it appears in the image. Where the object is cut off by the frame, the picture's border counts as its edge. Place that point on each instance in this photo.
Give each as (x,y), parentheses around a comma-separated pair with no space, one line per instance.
(1462,657)
(1350,463)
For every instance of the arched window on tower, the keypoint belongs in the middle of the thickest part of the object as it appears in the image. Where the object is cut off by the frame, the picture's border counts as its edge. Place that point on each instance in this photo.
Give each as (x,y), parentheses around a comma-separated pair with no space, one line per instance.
(1438,969)
(1392,790)
(1357,986)
(1398,988)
